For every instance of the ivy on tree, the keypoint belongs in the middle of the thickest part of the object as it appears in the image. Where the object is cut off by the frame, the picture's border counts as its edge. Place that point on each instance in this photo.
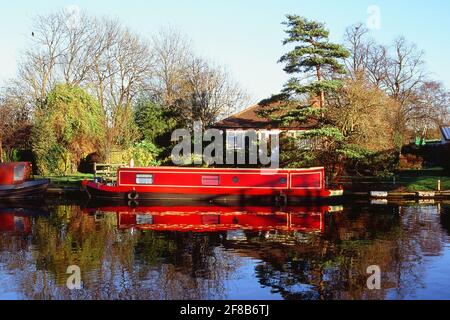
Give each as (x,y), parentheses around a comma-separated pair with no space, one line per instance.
(69,125)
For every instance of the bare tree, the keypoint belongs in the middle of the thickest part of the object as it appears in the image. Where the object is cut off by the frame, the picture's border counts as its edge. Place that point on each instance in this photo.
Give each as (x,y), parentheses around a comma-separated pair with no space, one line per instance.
(429,107)
(15,122)
(121,72)
(405,70)
(397,70)
(37,69)
(79,49)
(367,58)
(377,65)
(359,47)
(190,86)
(172,52)
(208,93)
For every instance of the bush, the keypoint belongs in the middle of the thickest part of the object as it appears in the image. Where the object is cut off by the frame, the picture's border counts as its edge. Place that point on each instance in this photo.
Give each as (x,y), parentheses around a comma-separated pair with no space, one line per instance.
(68,126)
(143,153)
(410,161)
(374,163)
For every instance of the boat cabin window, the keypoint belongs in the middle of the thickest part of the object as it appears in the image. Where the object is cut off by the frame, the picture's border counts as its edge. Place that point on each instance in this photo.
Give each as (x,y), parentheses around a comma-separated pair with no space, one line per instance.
(145,179)
(210,180)
(144,219)
(19,172)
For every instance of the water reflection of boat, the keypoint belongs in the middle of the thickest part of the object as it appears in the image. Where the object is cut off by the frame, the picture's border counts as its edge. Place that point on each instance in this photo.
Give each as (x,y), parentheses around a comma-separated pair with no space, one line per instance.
(18,220)
(215,219)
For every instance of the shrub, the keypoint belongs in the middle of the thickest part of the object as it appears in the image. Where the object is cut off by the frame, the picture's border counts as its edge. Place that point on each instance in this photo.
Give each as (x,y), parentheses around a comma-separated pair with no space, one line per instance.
(143,153)
(68,126)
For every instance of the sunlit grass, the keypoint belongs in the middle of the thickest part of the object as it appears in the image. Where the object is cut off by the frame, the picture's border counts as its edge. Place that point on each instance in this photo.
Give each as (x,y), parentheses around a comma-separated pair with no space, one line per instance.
(428,183)
(67,181)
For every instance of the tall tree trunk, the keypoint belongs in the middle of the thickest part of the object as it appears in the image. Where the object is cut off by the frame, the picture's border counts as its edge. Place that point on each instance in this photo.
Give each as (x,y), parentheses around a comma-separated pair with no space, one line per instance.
(322,93)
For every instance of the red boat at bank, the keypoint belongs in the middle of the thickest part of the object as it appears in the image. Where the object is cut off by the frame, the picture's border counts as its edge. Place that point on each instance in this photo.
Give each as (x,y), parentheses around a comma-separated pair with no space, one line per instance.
(164,183)
(16,181)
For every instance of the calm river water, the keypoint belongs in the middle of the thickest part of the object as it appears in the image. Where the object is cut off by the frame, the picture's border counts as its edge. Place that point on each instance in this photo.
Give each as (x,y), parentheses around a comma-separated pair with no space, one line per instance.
(193,252)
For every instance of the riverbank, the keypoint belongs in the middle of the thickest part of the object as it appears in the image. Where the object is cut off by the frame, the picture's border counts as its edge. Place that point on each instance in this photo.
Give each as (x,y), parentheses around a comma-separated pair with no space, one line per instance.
(406,181)
(66,185)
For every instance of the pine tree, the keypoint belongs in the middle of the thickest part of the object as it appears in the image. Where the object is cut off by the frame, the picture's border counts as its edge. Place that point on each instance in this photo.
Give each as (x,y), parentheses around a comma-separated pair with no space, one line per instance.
(314,56)
(316,69)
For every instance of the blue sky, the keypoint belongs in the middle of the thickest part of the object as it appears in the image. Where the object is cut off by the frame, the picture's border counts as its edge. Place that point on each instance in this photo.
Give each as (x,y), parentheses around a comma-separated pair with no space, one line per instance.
(245,35)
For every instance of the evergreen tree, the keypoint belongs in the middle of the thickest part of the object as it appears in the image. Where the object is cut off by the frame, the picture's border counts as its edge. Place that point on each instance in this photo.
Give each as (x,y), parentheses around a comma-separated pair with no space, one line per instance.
(316,69)
(153,120)
(314,56)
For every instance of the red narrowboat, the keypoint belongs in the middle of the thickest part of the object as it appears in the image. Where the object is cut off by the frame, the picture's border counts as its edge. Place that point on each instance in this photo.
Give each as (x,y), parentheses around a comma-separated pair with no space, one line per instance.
(164,183)
(16,181)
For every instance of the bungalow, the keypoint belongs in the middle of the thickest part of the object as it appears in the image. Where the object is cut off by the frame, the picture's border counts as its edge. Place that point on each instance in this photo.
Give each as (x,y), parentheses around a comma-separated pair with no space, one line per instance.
(236,126)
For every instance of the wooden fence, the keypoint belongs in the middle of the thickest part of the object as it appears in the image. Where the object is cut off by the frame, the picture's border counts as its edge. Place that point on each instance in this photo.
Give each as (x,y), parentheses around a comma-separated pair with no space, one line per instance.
(107,171)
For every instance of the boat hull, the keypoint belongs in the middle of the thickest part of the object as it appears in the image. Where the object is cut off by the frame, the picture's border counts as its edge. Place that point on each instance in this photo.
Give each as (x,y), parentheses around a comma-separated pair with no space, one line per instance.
(214,185)
(24,190)
(244,195)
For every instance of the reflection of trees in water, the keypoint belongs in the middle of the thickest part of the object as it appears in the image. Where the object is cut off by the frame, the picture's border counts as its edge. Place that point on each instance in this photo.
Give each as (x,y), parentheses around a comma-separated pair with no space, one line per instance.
(115,264)
(191,267)
(333,265)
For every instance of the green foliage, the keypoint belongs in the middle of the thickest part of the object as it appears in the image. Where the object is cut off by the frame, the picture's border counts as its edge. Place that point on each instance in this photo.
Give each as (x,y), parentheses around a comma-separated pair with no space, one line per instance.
(123,132)
(312,49)
(155,124)
(294,85)
(152,120)
(68,126)
(143,153)
(362,161)
(324,132)
(12,156)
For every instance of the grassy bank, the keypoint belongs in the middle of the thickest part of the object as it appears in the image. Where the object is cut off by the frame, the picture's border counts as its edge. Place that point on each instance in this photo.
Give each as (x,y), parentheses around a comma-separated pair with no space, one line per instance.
(407,180)
(67,181)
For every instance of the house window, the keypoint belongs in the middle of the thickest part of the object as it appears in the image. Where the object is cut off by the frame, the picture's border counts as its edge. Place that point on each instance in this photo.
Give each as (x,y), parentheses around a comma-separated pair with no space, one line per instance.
(144,179)
(19,172)
(235,140)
